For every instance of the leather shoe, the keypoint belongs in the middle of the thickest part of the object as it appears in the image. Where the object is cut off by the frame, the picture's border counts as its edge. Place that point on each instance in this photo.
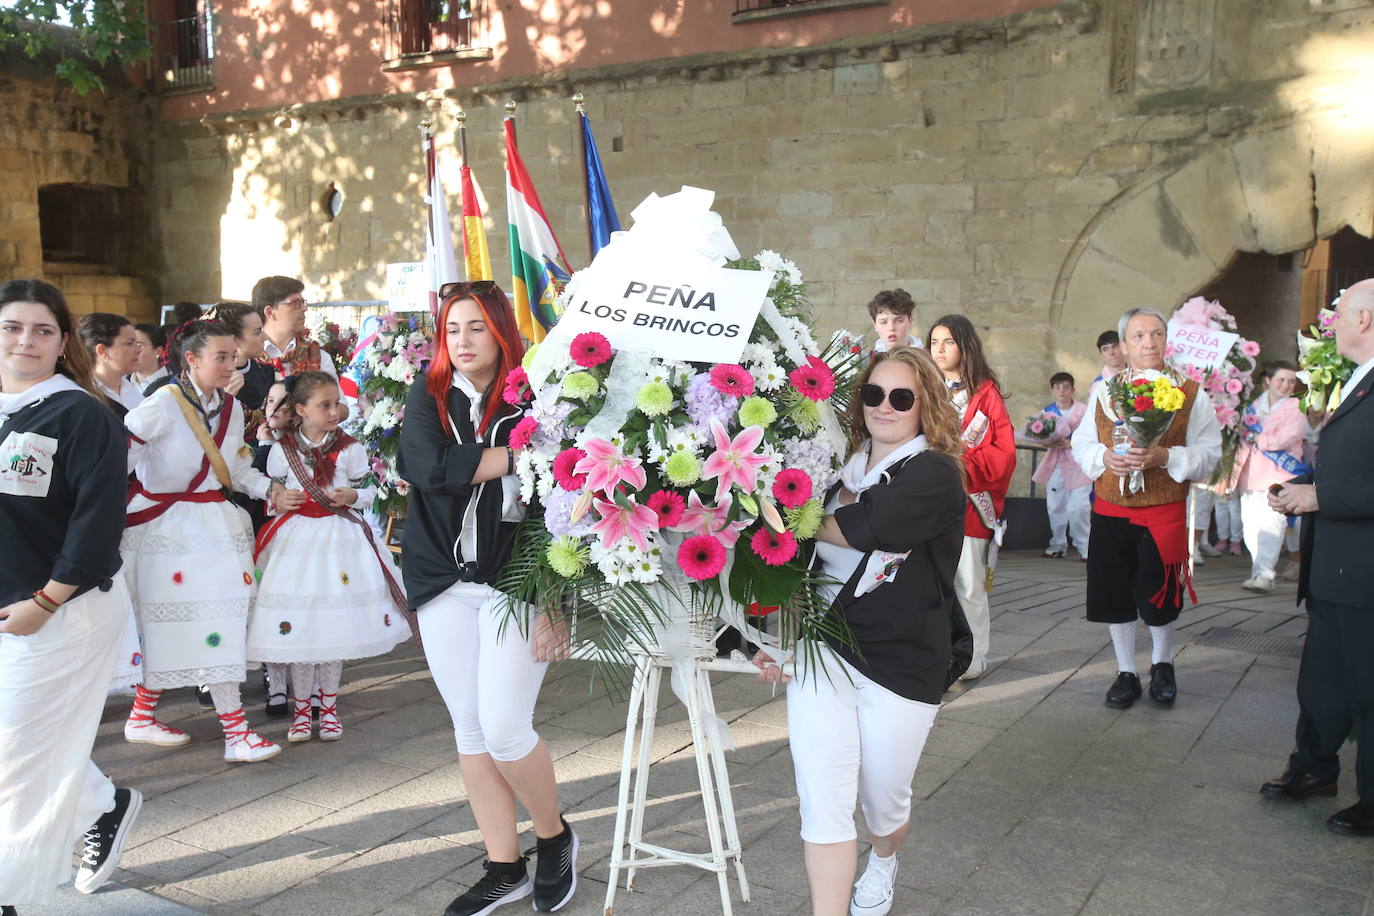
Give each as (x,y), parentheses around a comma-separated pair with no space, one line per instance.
(1125,691)
(1163,687)
(1295,785)
(1357,820)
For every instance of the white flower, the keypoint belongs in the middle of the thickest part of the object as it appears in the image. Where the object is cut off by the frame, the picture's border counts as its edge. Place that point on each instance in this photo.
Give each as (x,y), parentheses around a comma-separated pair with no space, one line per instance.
(768,376)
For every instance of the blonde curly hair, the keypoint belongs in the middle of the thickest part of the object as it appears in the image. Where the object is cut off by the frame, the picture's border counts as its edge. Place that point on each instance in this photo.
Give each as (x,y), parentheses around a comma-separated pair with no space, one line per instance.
(939,420)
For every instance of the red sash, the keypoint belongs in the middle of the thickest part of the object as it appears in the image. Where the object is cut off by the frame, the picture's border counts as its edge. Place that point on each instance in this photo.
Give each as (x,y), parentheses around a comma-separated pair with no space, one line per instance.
(1168,526)
(308,509)
(163,501)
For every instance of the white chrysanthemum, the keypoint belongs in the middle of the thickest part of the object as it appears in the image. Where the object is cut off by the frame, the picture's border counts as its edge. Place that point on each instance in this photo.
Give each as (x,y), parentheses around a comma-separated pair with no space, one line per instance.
(768,376)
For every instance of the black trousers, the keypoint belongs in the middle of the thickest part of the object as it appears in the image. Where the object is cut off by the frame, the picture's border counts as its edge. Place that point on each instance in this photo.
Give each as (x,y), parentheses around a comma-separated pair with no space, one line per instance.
(1336,692)
(1124,573)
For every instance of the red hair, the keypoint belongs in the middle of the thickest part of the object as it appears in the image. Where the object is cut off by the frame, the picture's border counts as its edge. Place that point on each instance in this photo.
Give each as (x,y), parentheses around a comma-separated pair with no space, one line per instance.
(500,318)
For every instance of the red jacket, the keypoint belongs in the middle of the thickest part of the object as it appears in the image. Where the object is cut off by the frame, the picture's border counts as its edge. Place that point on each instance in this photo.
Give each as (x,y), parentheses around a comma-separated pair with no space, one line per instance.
(991,463)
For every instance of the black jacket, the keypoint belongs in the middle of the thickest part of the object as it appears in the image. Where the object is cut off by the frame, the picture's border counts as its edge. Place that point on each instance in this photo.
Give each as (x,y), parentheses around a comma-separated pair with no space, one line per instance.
(440,471)
(72,533)
(1337,538)
(911,633)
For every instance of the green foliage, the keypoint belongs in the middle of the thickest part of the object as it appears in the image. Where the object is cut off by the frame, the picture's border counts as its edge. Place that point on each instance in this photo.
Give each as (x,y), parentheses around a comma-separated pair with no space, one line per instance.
(103,33)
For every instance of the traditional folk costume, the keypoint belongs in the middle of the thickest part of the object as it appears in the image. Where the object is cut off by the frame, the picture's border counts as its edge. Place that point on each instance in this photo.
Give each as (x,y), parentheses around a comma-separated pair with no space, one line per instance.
(125,399)
(62,473)
(328,592)
(1270,452)
(1138,564)
(989,462)
(1067,488)
(189,558)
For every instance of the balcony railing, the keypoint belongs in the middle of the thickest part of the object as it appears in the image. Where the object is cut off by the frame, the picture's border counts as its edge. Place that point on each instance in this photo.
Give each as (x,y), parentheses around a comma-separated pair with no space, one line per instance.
(185,54)
(431,32)
(746,10)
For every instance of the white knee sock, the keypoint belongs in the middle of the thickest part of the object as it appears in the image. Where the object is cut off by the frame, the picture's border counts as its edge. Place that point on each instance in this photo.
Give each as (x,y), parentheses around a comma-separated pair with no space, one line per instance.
(302,680)
(276,677)
(1123,641)
(226,697)
(1163,644)
(329,674)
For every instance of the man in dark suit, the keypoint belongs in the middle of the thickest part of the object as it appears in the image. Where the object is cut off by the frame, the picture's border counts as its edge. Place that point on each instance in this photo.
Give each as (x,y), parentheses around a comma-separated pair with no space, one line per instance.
(1336,681)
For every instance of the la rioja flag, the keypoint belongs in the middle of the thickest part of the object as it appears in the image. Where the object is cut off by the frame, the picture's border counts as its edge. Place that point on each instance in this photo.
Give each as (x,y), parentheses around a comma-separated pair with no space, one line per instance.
(538,266)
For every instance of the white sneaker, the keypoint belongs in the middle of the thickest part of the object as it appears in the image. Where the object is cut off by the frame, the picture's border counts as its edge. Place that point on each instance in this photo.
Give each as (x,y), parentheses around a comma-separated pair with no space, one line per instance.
(147,730)
(1258,584)
(242,744)
(873,890)
(1198,560)
(1207,550)
(975,670)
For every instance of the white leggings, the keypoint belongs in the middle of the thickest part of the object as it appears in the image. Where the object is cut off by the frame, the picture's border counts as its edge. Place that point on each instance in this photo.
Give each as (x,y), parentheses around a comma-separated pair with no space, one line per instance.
(853,739)
(484,669)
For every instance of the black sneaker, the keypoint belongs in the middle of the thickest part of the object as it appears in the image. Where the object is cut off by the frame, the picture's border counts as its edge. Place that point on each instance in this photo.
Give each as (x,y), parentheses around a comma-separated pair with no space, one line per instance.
(203,697)
(504,882)
(555,874)
(105,841)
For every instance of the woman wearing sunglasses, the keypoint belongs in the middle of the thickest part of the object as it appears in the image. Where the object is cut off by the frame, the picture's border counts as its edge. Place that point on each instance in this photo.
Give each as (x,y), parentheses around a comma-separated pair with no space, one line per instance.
(989,461)
(458,535)
(890,541)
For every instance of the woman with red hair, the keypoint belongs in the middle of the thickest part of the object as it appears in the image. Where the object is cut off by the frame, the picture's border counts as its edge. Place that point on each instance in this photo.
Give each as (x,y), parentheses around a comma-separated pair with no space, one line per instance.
(460,524)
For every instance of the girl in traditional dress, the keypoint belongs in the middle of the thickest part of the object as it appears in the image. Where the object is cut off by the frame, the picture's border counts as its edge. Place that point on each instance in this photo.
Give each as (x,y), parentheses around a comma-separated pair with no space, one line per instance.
(458,535)
(188,550)
(329,592)
(891,541)
(989,461)
(63,603)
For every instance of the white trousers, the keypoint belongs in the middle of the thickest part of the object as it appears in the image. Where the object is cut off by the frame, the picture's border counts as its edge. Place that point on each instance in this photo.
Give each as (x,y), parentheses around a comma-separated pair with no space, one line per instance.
(1265,530)
(970,585)
(52,691)
(1070,514)
(484,669)
(1227,509)
(851,737)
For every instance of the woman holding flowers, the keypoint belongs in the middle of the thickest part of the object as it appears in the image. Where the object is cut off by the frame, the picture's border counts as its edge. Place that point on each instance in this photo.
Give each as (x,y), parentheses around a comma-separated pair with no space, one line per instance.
(456,452)
(890,540)
(1138,561)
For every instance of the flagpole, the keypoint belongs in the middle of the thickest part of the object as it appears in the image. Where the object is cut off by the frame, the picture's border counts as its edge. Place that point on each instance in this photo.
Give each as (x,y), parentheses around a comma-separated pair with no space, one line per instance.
(462,118)
(580,101)
(510,116)
(427,142)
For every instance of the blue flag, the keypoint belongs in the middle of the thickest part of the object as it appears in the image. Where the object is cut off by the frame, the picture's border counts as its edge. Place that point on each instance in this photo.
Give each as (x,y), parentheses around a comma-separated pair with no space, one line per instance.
(601,217)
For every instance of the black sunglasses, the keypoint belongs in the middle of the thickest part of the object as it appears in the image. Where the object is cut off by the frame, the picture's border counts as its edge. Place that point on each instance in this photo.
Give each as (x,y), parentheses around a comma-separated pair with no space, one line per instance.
(901,399)
(480,287)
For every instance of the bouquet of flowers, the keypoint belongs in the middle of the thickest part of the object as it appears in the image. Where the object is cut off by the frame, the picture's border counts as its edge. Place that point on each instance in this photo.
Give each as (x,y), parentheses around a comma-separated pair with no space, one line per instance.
(1228,387)
(1041,426)
(338,342)
(706,478)
(391,362)
(1147,402)
(1323,370)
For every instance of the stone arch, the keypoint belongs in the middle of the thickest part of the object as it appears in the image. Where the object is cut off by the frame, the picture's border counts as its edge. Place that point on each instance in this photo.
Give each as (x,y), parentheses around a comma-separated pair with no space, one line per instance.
(1157,243)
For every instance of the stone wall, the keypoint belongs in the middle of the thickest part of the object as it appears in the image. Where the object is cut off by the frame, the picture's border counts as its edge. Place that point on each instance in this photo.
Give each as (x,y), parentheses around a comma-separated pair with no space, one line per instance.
(49,135)
(1039,173)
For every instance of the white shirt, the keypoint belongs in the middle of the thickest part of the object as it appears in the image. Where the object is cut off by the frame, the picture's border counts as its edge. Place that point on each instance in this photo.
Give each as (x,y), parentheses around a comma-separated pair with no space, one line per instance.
(351,465)
(128,395)
(166,454)
(880,345)
(141,382)
(1194,460)
(272,351)
(1358,375)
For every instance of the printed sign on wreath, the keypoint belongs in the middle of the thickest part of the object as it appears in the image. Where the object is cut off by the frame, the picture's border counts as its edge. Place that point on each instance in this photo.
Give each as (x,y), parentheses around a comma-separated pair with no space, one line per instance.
(407,286)
(1204,348)
(675,310)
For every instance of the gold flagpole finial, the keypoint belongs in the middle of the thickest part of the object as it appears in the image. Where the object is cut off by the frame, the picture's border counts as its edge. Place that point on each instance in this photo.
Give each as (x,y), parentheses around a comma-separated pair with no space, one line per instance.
(426,124)
(462,118)
(580,101)
(510,109)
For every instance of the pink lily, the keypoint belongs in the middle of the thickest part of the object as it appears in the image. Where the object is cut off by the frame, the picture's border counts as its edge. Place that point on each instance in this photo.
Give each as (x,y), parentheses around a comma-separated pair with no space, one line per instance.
(734,461)
(607,467)
(629,521)
(712,520)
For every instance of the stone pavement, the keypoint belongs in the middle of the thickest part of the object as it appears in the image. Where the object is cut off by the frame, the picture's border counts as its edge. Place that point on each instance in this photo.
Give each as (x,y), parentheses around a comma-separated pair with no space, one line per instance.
(1033,797)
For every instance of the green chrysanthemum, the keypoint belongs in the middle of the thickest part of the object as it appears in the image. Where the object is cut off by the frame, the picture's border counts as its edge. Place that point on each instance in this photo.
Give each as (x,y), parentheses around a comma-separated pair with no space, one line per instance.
(654,399)
(568,556)
(580,385)
(683,469)
(528,359)
(757,411)
(805,520)
(806,414)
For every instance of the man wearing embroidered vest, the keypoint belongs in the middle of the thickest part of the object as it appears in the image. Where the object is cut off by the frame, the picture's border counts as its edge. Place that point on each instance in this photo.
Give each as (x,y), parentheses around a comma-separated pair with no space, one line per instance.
(1138,562)
(285,346)
(1270,452)
(1336,501)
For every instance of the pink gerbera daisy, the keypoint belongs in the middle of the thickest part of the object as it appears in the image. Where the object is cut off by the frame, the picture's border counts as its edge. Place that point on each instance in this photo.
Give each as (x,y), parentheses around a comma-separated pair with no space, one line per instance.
(517,387)
(731,379)
(563,467)
(792,487)
(774,547)
(814,380)
(670,507)
(590,349)
(701,557)
(522,434)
